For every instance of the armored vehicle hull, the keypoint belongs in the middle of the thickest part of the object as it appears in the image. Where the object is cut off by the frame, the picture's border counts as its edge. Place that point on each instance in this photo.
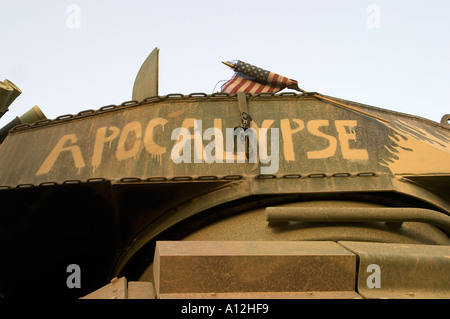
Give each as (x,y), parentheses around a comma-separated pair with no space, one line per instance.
(312,199)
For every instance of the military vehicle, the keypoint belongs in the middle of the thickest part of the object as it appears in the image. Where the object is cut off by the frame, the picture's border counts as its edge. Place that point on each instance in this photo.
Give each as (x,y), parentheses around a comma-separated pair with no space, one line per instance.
(270,195)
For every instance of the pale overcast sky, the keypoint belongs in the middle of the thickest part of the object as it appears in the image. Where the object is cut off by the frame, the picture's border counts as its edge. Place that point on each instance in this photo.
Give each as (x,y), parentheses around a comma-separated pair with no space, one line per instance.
(69,55)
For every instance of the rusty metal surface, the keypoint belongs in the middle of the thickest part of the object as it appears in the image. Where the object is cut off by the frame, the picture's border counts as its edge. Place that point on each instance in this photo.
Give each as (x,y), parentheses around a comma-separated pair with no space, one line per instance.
(403,270)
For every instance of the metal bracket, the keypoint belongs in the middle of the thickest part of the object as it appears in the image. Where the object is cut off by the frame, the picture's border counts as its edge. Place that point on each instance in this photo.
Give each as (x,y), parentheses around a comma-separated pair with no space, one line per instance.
(243,110)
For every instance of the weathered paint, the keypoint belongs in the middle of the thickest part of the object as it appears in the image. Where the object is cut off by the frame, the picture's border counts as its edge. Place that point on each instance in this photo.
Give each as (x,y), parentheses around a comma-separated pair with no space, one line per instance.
(192,137)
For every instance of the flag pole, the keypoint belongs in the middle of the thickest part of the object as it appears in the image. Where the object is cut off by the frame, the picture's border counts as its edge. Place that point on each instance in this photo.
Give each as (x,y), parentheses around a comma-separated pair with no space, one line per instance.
(229,64)
(350,108)
(321,97)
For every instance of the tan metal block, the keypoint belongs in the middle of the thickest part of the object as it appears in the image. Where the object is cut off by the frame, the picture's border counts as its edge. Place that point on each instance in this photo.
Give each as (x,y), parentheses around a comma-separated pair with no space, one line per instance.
(267,295)
(116,289)
(185,267)
(141,290)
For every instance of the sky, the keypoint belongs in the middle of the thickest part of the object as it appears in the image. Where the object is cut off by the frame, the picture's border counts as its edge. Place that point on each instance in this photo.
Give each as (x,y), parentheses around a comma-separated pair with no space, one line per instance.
(73,55)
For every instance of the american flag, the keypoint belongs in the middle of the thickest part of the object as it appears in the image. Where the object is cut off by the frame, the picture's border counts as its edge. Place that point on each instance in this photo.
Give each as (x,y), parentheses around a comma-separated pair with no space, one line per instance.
(251,79)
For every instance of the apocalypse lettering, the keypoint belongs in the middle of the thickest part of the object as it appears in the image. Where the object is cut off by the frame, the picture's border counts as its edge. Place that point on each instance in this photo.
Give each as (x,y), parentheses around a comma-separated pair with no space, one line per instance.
(193,142)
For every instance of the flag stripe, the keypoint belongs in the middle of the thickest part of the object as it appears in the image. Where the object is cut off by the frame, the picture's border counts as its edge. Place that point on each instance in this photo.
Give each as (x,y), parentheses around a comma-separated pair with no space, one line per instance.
(250,87)
(239,84)
(231,84)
